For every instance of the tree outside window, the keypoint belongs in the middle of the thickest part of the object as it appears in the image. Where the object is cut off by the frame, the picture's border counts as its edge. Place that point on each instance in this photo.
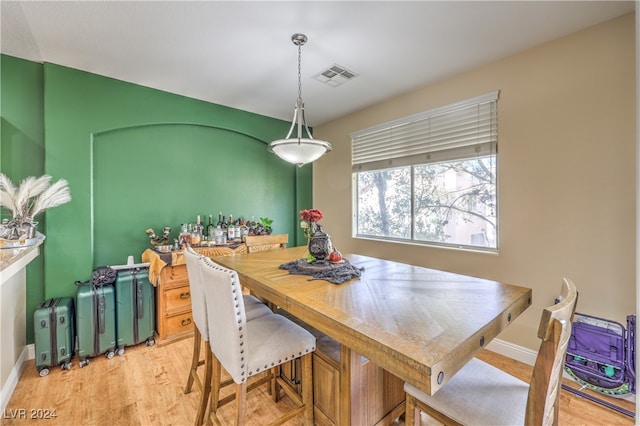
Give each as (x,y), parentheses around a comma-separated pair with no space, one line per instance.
(453,203)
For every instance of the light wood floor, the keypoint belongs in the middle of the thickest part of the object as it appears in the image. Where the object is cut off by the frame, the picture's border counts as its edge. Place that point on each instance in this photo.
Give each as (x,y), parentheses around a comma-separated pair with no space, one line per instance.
(145,387)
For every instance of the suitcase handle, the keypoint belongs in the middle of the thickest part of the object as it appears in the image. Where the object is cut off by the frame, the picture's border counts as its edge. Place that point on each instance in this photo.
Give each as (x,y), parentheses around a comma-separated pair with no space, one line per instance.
(101,314)
(139,296)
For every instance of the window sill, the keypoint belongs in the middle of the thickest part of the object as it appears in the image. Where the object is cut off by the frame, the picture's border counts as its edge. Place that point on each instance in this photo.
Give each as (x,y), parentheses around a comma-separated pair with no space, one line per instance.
(468,249)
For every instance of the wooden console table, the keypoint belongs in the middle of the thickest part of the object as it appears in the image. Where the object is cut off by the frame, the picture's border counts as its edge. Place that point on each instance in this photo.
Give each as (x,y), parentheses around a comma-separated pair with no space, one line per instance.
(168,273)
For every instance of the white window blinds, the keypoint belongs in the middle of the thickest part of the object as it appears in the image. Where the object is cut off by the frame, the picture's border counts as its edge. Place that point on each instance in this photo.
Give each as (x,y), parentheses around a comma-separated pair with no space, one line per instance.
(461,130)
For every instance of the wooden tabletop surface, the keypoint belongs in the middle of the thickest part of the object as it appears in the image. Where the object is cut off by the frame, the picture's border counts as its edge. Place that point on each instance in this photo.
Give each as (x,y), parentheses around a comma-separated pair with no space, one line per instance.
(420,324)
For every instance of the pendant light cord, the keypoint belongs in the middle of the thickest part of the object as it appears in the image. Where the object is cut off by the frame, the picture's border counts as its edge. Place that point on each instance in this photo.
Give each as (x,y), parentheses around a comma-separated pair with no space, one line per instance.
(299,72)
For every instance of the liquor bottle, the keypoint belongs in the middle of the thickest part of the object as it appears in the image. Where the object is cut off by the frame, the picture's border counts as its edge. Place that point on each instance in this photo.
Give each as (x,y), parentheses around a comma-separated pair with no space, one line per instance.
(223,225)
(185,235)
(210,227)
(196,233)
(201,225)
(196,237)
(231,229)
(219,224)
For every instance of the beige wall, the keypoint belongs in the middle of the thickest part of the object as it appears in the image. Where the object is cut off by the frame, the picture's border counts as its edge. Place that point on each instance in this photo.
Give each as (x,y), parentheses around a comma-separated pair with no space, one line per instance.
(566,173)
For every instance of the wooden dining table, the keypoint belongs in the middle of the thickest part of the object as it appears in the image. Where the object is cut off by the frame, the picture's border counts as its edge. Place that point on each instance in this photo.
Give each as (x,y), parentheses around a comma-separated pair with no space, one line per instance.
(421,325)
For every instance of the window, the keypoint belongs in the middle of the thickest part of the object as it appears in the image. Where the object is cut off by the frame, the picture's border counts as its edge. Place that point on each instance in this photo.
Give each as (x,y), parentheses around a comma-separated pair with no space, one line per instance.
(431,177)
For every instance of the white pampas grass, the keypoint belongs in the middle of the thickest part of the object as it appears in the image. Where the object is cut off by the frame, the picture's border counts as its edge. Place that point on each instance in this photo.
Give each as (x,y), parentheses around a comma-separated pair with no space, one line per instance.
(54,196)
(33,196)
(29,188)
(8,194)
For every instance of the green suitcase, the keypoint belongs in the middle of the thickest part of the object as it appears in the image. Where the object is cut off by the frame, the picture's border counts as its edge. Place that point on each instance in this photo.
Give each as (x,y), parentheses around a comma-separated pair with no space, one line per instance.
(135,307)
(54,334)
(95,322)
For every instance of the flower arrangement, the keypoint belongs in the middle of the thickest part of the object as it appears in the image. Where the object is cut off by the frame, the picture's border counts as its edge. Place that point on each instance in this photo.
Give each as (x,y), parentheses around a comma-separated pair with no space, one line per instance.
(32,197)
(309,223)
(309,220)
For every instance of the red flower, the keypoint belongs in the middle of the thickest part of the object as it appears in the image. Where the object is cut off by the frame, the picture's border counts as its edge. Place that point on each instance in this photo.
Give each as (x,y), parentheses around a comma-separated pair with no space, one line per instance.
(311,215)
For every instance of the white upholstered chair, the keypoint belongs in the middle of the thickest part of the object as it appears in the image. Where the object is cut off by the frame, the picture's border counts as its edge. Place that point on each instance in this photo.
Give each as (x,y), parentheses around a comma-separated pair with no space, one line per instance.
(246,348)
(254,309)
(480,394)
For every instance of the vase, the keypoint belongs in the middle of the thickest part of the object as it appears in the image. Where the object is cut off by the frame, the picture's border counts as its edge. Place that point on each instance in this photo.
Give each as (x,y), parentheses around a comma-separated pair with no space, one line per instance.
(319,244)
(31,229)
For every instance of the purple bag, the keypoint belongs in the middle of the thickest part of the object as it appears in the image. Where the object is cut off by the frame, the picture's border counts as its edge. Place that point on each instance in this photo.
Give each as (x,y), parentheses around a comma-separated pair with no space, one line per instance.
(601,354)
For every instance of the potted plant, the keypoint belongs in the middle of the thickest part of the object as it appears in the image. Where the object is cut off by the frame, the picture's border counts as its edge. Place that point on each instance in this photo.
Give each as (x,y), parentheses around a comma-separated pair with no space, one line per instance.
(266,224)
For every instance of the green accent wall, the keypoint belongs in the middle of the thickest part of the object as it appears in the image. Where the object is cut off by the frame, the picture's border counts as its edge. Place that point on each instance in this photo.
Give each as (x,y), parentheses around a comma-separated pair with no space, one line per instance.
(136,158)
(166,174)
(22,149)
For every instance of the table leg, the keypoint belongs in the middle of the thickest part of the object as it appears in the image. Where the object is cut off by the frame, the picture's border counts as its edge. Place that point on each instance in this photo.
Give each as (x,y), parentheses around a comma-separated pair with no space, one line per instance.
(345,386)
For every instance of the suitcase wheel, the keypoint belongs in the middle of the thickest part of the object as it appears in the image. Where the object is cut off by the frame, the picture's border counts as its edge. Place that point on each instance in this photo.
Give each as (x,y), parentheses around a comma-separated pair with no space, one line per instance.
(66,366)
(84,362)
(110,354)
(43,372)
(151,342)
(120,351)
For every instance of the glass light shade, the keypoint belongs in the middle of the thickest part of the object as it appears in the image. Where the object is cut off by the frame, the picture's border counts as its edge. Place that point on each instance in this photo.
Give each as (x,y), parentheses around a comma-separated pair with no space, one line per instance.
(299,151)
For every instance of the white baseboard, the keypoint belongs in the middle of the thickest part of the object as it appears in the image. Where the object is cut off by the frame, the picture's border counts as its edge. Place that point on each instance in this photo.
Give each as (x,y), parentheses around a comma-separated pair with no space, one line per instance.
(28,352)
(519,353)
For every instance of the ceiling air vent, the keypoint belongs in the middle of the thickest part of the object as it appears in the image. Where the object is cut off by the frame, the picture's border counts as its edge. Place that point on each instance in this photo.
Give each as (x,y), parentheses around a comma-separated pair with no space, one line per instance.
(335,75)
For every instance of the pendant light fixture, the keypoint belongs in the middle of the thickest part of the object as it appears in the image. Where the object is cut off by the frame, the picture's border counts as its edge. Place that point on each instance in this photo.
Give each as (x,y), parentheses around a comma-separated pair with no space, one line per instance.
(299,150)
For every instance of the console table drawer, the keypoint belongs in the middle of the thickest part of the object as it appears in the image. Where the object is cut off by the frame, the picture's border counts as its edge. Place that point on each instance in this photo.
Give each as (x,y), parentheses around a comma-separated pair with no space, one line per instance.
(174,276)
(177,299)
(178,324)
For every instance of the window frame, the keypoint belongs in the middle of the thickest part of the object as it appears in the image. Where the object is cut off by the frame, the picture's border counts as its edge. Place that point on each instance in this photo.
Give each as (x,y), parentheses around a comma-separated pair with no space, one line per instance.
(413,161)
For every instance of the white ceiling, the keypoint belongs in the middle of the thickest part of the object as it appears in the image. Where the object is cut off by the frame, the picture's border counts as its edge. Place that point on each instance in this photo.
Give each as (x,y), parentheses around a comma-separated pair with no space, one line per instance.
(240,54)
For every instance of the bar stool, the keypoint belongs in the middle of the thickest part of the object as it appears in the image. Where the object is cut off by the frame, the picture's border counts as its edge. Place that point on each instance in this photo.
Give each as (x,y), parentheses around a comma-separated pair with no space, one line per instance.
(254,309)
(246,348)
(482,394)
(257,243)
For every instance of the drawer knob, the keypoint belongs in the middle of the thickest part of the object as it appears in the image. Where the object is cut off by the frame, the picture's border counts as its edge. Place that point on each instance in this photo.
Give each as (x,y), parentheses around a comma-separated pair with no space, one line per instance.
(185,295)
(186,321)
